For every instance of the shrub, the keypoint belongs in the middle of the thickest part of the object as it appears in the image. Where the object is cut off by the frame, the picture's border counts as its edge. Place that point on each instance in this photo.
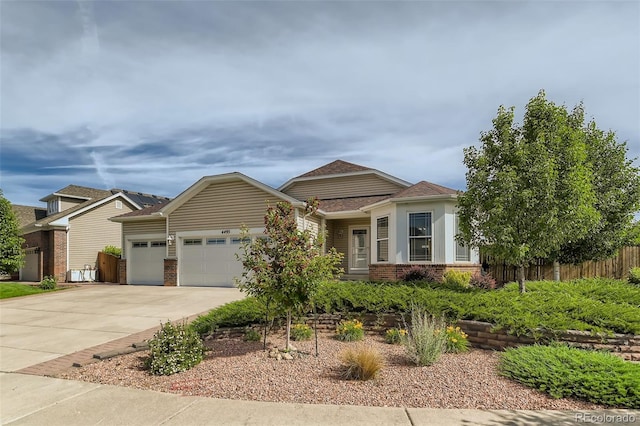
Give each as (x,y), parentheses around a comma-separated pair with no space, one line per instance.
(563,371)
(251,335)
(301,332)
(457,278)
(394,336)
(112,250)
(634,276)
(48,283)
(456,340)
(426,339)
(349,331)
(421,273)
(174,348)
(360,363)
(240,313)
(484,281)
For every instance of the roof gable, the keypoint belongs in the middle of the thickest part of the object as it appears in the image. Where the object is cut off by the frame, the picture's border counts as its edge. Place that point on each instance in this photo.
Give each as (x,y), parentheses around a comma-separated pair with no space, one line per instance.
(204,182)
(424,189)
(335,168)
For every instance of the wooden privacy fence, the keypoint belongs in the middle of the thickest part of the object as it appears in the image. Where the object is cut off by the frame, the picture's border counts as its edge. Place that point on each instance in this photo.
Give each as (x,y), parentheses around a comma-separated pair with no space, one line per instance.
(615,267)
(107,268)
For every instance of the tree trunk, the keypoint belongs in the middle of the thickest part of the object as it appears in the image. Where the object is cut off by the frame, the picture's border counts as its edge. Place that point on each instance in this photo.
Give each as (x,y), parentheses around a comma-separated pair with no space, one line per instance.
(288,329)
(556,270)
(266,324)
(521,279)
(315,327)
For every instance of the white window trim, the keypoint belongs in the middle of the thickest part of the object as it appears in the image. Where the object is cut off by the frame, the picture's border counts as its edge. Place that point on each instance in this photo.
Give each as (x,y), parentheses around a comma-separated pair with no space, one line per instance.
(456,229)
(388,239)
(420,262)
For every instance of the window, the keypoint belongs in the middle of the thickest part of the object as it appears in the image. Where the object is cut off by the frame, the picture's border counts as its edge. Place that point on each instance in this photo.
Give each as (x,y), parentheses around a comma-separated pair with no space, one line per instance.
(192,242)
(462,251)
(118,204)
(216,241)
(238,240)
(158,243)
(382,238)
(52,206)
(139,244)
(420,237)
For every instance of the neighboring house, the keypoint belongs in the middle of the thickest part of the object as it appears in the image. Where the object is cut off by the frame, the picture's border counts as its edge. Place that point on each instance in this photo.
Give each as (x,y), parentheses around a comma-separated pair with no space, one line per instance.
(382,224)
(64,239)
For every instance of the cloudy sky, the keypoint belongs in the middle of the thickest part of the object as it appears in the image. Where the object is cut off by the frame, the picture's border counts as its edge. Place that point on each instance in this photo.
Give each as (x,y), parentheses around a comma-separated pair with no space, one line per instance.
(151,96)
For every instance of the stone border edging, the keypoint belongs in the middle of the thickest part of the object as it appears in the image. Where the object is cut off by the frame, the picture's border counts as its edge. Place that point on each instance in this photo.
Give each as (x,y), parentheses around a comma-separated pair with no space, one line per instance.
(480,334)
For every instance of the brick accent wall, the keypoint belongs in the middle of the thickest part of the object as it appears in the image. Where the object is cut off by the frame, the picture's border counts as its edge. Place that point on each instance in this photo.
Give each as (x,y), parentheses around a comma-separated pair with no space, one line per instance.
(58,250)
(171,272)
(122,271)
(393,272)
(38,239)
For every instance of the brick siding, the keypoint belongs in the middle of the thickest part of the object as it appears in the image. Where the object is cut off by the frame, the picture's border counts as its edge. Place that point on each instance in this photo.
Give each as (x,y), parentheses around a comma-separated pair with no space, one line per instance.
(122,271)
(171,272)
(393,272)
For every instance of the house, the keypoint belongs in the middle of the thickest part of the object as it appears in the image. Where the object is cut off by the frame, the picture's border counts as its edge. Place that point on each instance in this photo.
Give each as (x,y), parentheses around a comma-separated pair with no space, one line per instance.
(63,239)
(383,225)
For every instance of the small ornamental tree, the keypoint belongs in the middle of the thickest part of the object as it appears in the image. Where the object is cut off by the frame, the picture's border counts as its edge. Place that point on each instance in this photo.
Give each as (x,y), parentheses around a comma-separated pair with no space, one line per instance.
(11,253)
(285,267)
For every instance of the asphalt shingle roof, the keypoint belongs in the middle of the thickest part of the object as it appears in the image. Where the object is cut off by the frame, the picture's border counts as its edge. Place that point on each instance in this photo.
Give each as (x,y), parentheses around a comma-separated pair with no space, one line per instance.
(334,168)
(28,214)
(422,189)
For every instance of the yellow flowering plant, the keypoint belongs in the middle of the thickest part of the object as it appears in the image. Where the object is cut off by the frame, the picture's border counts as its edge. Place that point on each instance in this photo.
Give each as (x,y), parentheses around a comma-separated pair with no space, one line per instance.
(394,336)
(349,331)
(456,340)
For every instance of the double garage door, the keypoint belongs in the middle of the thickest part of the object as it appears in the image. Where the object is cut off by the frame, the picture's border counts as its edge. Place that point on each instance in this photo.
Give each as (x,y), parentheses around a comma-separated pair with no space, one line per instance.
(209,261)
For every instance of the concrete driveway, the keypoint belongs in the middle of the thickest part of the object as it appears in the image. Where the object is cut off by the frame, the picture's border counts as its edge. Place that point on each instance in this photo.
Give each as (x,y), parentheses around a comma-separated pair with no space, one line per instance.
(39,328)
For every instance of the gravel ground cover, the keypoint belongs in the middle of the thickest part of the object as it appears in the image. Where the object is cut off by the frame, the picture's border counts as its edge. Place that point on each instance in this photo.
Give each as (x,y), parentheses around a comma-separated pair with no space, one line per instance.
(235,369)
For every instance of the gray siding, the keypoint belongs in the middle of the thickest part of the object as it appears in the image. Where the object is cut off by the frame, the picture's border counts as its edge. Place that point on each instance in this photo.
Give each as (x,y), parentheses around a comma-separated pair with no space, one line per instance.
(91,231)
(340,187)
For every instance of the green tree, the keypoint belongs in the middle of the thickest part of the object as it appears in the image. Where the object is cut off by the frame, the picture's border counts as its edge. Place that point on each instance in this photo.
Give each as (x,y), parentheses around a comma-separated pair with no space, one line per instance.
(11,253)
(286,266)
(617,186)
(529,188)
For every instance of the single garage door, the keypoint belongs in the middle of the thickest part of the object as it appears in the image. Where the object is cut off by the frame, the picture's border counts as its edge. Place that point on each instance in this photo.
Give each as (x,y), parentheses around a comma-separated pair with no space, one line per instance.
(210,261)
(146,262)
(31,269)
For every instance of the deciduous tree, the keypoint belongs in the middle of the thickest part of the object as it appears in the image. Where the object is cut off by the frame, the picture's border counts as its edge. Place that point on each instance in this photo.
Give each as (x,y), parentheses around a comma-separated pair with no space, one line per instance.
(11,253)
(529,186)
(286,266)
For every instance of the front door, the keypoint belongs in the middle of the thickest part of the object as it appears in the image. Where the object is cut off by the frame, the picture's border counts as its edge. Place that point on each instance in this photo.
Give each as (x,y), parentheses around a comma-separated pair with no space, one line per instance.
(359,250)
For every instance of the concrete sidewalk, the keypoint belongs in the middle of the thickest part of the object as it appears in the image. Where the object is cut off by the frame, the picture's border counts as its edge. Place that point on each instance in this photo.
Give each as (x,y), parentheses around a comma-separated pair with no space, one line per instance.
(35,400)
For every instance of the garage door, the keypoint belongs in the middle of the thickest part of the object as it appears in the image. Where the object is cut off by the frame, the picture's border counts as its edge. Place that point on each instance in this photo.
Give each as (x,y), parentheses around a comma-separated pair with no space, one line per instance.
(146,262)
(209,262)
(31,269)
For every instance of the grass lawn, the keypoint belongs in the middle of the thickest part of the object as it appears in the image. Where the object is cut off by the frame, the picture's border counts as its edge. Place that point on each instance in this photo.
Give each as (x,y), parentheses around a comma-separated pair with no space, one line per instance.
(11,289)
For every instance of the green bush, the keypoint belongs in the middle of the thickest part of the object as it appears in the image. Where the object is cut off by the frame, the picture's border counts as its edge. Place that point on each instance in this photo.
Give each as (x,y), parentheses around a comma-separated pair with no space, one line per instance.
(112,250)
(634,276)
(457,278)
(394,336)
(240,313)
(48,283)
(174,348)
(563,371)
(594,305)
(301,332)
(251,335)
(349,331)
(426,339)
(456,340)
